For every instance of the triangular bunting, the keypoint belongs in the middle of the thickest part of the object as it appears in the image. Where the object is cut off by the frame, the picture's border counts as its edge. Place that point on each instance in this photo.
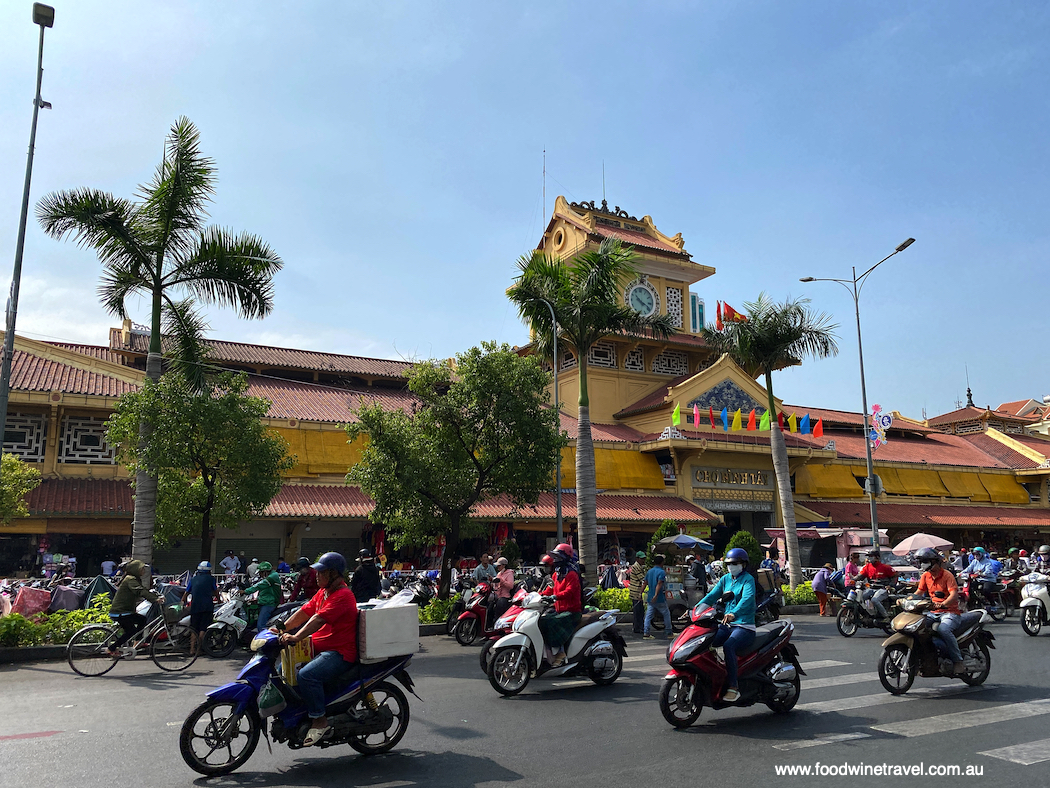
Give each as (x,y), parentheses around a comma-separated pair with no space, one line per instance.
(793,423)
(676,417)
(711,413)
(725,419)
(803,426)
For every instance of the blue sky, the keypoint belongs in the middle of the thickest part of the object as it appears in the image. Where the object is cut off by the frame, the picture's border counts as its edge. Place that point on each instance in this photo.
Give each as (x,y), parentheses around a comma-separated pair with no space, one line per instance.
(392,154)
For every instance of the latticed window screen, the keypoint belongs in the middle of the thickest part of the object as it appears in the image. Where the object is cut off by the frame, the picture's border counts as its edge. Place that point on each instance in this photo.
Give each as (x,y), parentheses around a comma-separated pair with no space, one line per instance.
(26,436)
(84,441)
(568,360)
(671,362)
(968,427)
(674,306)
(703,365)
(602,354)
(634,360)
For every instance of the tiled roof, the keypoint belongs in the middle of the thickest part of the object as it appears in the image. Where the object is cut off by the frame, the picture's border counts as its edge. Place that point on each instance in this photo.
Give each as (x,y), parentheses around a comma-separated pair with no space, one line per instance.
(81,498)
(745,437)
(32,373)
(999,451)
(844,514)
(1015,408)
(653,400)
(932,449)
(311,402)
(285,358)
(611,508)
(619,433)
(850,418)
(635,238)
(970,414)
(1040,443)
(315,500)
(95,351)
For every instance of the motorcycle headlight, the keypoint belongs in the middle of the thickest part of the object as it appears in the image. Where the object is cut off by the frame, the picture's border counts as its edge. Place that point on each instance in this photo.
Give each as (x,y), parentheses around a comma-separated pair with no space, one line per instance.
(505,622)
(912,627)
(691,646)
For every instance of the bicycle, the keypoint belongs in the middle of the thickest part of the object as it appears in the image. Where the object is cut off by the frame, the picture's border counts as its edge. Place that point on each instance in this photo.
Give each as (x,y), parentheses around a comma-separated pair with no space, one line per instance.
(172,645)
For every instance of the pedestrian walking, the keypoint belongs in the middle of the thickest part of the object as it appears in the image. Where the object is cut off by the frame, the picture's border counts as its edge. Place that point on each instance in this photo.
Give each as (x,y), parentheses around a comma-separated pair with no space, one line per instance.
(202,593)
(656,582)
(635,589)
(820,587)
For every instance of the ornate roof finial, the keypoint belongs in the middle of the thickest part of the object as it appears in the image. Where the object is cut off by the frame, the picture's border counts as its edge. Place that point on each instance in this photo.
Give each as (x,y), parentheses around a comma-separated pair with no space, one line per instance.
(969,398)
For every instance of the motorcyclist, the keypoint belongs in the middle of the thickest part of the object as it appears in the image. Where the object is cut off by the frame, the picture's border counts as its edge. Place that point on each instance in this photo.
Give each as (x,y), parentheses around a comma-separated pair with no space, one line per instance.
(983,572)
(737,629)
(306,582)
(504,587)
(875,570)
(366,582)
(939,585)
(127,598)
(851,570)
(1014,562)
(557,627)
(1042,560)
(202,593)
(329,619)
(270,593)
(485,571)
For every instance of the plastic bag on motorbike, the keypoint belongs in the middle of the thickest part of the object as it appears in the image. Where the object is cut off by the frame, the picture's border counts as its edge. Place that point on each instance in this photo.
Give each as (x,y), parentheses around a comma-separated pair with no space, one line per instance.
(401,598)
(271,701)
(293,657)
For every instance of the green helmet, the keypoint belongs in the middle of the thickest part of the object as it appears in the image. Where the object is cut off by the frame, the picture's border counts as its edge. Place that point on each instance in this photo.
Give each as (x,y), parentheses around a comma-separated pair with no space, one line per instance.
(265,566)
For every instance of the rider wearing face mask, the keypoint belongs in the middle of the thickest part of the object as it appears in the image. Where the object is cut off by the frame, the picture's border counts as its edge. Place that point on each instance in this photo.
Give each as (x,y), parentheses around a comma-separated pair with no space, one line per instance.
(939,584)
(876,570)
(737,630)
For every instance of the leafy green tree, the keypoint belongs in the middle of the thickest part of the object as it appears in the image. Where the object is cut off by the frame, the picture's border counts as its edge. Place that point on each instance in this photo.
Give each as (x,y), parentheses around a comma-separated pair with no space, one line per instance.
(17,480)
(667,528)
(587,298)
(217,464)
(750,544)
(159,248)
(482,429)
(775,336)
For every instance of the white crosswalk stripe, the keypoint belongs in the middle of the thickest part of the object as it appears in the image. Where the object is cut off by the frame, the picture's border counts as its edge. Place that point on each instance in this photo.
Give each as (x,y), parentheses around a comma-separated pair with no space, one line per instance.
(1024,754)
(821,739)
(966,719)
(838,681)
(823,663)
(884,698)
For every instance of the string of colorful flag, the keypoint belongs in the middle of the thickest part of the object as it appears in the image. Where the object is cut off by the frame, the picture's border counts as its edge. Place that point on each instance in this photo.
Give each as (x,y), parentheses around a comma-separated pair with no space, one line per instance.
(735,422)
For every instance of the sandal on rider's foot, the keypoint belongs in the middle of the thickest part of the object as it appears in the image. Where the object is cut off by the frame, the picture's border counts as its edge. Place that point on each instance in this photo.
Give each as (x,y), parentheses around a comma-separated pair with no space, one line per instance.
(315,735)
(559,660)
(731,695)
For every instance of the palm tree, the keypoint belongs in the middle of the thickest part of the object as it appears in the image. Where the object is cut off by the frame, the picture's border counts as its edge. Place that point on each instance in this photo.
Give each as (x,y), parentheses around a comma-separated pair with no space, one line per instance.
(772,337)
(159,248)
(586,296)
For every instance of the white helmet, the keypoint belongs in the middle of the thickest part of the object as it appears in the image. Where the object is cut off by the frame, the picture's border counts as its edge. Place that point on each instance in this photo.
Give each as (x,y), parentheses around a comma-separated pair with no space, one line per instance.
(204,566)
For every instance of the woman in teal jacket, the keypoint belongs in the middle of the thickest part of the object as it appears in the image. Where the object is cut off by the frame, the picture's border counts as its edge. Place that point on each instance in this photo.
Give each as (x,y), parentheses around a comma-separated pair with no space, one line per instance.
(737,630)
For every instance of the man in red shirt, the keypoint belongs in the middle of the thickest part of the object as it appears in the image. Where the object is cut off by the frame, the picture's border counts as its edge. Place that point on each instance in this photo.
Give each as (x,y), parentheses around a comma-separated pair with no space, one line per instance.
(939,584)
(557,629)
(876,570)
(329,619)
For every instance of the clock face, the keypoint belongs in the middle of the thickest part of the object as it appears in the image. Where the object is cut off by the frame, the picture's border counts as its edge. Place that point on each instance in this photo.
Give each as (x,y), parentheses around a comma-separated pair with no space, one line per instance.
(642,301)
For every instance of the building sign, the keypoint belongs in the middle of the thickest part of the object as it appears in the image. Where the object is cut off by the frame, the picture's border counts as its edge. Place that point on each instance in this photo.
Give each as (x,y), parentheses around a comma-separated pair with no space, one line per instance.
(724,505)
(731,478)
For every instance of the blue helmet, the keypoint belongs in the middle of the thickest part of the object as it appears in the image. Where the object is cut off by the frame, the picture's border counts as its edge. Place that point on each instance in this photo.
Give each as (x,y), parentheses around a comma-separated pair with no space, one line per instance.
(737,554)
(204,566)
(333,562)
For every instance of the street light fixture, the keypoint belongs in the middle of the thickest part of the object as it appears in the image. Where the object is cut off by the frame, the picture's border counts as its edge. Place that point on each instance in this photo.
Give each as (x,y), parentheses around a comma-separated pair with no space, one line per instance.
(854,287)
(44,16)
(557,407)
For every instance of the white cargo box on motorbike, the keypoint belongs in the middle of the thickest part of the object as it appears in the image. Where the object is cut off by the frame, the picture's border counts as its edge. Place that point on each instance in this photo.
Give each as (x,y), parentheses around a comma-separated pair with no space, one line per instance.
(384,632)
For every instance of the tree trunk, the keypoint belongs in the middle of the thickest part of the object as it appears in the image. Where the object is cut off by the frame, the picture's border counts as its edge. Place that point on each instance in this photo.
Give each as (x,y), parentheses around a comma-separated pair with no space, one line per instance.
(145,484)
(206,526)
(451,546)
(586,485)
(783,476)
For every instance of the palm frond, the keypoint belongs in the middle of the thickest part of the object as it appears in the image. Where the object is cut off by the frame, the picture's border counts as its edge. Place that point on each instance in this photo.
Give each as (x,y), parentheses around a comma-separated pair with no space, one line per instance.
(99,221)
(185,346)
(116,284)
(235,271)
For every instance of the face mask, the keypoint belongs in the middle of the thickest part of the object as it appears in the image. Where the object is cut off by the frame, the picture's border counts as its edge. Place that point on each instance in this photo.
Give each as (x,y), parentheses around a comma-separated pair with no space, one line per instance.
(925,566)
(736,569)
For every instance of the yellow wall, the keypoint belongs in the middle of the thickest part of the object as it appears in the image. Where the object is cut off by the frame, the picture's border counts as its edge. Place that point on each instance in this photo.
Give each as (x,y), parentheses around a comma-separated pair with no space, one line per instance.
(615,469)
(320,451)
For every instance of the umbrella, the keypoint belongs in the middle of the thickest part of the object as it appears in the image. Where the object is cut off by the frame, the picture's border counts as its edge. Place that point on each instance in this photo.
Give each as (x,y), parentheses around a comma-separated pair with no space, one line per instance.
(685,542)
(919,541)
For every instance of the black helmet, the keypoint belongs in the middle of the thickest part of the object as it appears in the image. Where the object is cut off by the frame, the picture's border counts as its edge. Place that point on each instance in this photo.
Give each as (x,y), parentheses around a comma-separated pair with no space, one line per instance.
(873,551)
(927,557)
(333,562)
(304,561)
(364,554)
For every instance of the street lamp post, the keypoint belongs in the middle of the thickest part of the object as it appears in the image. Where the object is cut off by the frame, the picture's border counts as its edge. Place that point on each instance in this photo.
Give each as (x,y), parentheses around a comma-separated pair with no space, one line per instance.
(44,16)
(854,286)
(557,407)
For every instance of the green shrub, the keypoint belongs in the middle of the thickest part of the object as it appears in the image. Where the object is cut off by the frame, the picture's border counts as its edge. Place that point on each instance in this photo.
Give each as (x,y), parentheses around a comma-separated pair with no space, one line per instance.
(16,630)
(51,628)
(612,599)
(750,544)
(802,595)
(437,611)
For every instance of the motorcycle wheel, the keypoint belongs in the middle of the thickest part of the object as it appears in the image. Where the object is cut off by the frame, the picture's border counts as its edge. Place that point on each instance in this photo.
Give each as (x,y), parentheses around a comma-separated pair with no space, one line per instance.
(1009,604)
(608,675)
(452,620)
(787,704)
(846,621)
(894,672)
(997,612)
(221,642)
(502,675)
(485,658)
(211,737)
(975,651)
(1031,621)
(467,631)
(679,709)
(387,696)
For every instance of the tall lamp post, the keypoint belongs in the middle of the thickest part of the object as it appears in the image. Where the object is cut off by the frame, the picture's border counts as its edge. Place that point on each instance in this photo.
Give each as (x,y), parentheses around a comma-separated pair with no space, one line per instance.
(557,407)
(854,286)
(44,16)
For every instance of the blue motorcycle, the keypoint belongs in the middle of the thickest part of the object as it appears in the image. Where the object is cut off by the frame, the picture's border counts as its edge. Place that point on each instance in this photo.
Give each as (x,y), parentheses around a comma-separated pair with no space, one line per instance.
(364,710)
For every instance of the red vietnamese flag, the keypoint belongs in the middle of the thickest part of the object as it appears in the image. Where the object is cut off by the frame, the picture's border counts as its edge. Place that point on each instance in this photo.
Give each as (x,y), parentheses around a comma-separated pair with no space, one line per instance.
(751,421)
(711,412)
(818,430)
(730,315)
(718,318)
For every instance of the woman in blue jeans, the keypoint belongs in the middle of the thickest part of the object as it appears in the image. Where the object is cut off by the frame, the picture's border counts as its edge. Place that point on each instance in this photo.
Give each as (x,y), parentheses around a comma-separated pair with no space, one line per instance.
(737,630)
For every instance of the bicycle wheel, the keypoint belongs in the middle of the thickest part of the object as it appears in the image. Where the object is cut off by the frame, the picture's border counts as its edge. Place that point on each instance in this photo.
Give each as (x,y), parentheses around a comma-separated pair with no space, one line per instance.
(86,651)
(174,648)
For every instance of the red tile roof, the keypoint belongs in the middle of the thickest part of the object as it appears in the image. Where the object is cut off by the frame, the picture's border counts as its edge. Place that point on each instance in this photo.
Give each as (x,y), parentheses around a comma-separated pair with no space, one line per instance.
(653,400)
(972,414)
(844,514)
(81,498)
(611,508)
(999,451)
(311,402)
(95,351)
(635,238)
(1015,408)
(933,449)
(32,373)
(1041,443)
(618,433)
(279,357)
(849,418)
(315,500)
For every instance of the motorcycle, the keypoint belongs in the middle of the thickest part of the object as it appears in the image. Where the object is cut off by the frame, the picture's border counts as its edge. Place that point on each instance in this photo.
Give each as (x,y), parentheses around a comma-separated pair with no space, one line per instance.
(768,670)
(976,599)
(505,624)
(472,620)
(229,627)
(595,650)
(768,608)
(464,588)
(915,649)
(364,710)
(856,612)
(1035,602)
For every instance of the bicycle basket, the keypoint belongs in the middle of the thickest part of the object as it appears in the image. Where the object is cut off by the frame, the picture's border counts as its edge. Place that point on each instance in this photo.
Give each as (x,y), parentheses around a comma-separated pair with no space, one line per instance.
(173,614)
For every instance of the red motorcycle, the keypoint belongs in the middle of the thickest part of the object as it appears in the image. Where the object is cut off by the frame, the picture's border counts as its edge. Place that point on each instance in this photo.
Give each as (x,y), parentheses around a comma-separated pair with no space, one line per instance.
(472,621)
(768,669)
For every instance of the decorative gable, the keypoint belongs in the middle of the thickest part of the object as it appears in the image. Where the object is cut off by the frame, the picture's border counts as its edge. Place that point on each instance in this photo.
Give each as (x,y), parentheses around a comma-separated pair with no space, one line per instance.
(725,394)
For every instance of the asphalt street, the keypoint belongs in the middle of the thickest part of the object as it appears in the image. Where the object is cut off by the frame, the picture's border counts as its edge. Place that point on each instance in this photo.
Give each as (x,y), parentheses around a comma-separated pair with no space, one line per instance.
(122,729)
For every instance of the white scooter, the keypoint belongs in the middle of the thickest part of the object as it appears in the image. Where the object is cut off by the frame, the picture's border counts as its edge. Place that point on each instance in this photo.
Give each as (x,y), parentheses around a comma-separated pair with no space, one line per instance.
(1035,602)
(228,624)
(596,650)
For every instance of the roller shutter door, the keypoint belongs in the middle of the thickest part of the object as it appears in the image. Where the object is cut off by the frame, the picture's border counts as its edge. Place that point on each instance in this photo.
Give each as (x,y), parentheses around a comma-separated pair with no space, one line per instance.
(347,547)
(173,560)
(263,549)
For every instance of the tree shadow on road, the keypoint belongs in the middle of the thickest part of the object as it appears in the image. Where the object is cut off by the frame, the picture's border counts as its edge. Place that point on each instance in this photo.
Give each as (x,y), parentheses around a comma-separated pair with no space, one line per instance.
(402,768)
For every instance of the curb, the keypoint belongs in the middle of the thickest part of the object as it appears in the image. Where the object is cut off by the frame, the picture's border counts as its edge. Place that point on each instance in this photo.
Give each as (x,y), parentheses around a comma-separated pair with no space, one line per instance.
(800,610)
(9,656)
